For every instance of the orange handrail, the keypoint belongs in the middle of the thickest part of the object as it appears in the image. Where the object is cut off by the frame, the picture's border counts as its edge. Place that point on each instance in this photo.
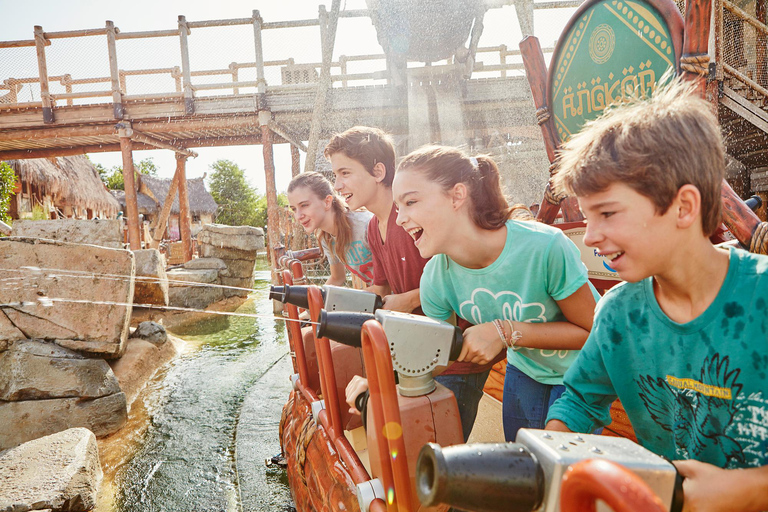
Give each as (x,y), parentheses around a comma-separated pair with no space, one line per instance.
(325,364)
(386,417)
(598,479)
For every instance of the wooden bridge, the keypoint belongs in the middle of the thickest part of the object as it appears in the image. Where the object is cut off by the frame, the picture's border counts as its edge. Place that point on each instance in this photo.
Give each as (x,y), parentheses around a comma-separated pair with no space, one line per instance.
(179,106)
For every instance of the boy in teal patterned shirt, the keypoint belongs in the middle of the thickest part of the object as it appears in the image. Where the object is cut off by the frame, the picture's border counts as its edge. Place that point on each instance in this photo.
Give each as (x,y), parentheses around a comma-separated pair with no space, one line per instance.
(684,343)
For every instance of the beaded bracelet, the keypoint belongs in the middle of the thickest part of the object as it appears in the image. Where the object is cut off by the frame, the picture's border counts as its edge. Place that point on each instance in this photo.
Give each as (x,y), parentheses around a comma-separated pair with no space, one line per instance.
(500,330)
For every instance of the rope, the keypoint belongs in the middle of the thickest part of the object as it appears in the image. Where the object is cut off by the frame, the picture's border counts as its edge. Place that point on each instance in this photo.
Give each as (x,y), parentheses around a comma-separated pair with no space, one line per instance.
(307,431)
(552,169)
(542,115)
(759,243)
(284,418)
(551,197)
(697,63)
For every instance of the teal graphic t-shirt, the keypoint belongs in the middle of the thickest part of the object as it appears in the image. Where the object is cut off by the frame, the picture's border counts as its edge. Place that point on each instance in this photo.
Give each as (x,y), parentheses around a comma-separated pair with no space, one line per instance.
(697,390)
(538,266)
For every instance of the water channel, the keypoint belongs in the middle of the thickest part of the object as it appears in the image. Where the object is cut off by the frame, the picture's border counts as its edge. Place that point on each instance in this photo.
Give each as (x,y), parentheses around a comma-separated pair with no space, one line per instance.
(199,433)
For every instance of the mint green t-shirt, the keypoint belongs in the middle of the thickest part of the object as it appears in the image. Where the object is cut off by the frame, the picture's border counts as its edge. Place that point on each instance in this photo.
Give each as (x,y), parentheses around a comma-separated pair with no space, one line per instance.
(538,266)
(697,390)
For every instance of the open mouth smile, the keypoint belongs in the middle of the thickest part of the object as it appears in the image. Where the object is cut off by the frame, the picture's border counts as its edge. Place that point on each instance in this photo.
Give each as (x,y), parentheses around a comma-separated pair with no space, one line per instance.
(415,233)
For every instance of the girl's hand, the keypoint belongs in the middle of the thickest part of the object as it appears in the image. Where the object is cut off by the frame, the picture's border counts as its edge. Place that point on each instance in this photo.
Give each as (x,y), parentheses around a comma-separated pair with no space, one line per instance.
(355,387)
(481,344)
(708,488)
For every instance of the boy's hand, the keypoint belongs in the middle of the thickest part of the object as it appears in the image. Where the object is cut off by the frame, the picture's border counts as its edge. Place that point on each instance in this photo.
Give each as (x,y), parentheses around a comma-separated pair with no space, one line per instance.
(708,488)
(356,386)
(481,344)
(403,302)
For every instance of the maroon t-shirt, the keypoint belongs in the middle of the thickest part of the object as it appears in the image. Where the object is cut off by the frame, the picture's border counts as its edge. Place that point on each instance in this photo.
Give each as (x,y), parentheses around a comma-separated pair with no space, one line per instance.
(397,262)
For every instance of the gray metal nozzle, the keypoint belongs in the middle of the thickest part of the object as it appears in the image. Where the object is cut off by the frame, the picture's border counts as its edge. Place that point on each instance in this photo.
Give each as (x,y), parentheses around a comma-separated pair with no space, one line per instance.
(291,294)
(342,326)
(480,477)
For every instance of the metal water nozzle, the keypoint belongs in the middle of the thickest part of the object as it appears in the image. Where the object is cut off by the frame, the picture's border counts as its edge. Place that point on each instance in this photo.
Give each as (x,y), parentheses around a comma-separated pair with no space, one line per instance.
(480,477)
(335,298)
(418,344)
(526,475)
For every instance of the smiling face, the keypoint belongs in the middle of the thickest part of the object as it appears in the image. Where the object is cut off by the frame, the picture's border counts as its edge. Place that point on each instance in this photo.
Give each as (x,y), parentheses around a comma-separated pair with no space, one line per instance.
(309,210)
(625,228)
(425,211)
(353,182)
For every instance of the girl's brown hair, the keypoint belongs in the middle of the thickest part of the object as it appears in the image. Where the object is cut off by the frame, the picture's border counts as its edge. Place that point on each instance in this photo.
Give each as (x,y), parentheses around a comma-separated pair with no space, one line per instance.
(448,166)
(322,188)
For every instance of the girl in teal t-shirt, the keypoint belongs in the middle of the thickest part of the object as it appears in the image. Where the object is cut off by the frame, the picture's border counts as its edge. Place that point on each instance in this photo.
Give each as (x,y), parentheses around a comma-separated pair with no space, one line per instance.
(521,283)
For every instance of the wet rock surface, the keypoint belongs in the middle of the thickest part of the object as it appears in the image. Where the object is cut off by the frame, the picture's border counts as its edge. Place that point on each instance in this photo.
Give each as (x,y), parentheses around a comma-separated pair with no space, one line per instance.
(53,297)
(151,282)
(45,389)
(152,332)
(56,472)
(102,232)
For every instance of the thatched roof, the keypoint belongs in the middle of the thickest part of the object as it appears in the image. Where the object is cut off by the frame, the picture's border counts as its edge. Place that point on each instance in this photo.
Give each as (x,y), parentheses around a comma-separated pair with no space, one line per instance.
(200,201)
(70,180)
(147,205)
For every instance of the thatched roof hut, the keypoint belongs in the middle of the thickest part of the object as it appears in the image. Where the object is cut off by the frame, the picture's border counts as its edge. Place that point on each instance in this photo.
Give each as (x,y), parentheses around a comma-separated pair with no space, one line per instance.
(71,181)
(147,205)
(200,200)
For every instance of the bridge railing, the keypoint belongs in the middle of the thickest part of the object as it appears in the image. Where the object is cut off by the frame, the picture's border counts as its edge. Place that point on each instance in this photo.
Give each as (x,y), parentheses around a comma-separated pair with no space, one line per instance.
(105,65)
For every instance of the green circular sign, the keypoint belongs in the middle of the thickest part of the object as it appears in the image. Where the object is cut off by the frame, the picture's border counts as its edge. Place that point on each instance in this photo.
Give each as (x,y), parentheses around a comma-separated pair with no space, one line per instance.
(614,50)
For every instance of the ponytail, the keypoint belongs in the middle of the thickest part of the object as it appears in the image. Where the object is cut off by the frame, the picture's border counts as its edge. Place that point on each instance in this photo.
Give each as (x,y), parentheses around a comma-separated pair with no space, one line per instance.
(448,166)
(322,188)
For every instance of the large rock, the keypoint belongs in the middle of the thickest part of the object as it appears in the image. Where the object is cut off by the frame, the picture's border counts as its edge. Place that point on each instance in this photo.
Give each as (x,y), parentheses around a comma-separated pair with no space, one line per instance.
(58,472)
(32,370)
(78,296)
(140,361)
(151,280)
(106,233)
(239,268)
(152,332)
(225,253)
(190,288)
(30,419)
(205,263)
(242,238)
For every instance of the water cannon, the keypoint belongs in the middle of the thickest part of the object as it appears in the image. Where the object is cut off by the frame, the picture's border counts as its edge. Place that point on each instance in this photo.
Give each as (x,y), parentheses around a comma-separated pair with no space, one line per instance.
(526,476)
(418,344)
(754,202)
(335,298)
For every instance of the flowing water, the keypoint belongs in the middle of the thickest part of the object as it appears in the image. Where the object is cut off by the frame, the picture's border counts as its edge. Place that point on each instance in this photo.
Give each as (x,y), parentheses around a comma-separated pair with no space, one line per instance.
(200,431)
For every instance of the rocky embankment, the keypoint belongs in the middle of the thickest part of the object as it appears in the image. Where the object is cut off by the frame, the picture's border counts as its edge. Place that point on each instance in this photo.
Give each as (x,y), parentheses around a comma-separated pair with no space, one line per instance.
(69,365)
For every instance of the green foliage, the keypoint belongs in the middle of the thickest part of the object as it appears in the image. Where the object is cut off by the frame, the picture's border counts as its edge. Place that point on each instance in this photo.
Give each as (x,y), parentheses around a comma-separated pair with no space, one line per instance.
(113,177)
(237,200)
(7,185)
(39,213)
(261,208)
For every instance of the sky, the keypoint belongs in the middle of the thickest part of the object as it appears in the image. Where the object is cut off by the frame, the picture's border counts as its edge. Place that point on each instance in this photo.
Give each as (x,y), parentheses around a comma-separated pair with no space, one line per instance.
(354,37)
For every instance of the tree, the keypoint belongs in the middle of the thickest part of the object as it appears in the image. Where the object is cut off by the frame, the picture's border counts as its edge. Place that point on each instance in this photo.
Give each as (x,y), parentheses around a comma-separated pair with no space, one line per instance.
(7,186)
(261,208)
(238,201)
(113,177)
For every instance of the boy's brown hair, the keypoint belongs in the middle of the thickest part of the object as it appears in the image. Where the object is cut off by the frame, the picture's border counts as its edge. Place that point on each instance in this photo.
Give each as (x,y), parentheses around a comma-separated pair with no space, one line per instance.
(655,146)
(368,146)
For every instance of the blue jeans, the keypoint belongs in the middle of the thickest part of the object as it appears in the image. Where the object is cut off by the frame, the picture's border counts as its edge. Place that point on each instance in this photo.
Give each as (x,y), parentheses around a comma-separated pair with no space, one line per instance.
(468,390)
(526,402)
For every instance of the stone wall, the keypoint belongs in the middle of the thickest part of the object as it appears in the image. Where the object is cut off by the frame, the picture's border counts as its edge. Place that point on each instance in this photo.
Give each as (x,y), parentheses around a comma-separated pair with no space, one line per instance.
(106,232)
(236,246)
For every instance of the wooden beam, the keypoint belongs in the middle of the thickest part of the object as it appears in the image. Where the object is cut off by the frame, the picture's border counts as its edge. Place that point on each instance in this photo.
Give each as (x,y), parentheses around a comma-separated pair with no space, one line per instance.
(189,100)
(184,219)
(191,125)
(295,161)
(42,67)
(131,202)
(152,141)
(57,133)
(114,73)
(165,212)
(273,226)
(21,154)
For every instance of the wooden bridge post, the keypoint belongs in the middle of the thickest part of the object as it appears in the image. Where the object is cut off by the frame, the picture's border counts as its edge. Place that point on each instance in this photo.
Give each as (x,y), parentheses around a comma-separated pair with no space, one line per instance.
(295,161)
(189,97)
(536,71)
(114,73)
(42,66)
(185,228)
(162,219)
(741,221)
(261,83)
(131,202)
(273,220)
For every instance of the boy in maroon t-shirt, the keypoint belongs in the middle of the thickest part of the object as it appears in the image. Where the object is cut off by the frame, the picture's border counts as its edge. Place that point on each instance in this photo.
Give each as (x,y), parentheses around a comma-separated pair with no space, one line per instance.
(363,161)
